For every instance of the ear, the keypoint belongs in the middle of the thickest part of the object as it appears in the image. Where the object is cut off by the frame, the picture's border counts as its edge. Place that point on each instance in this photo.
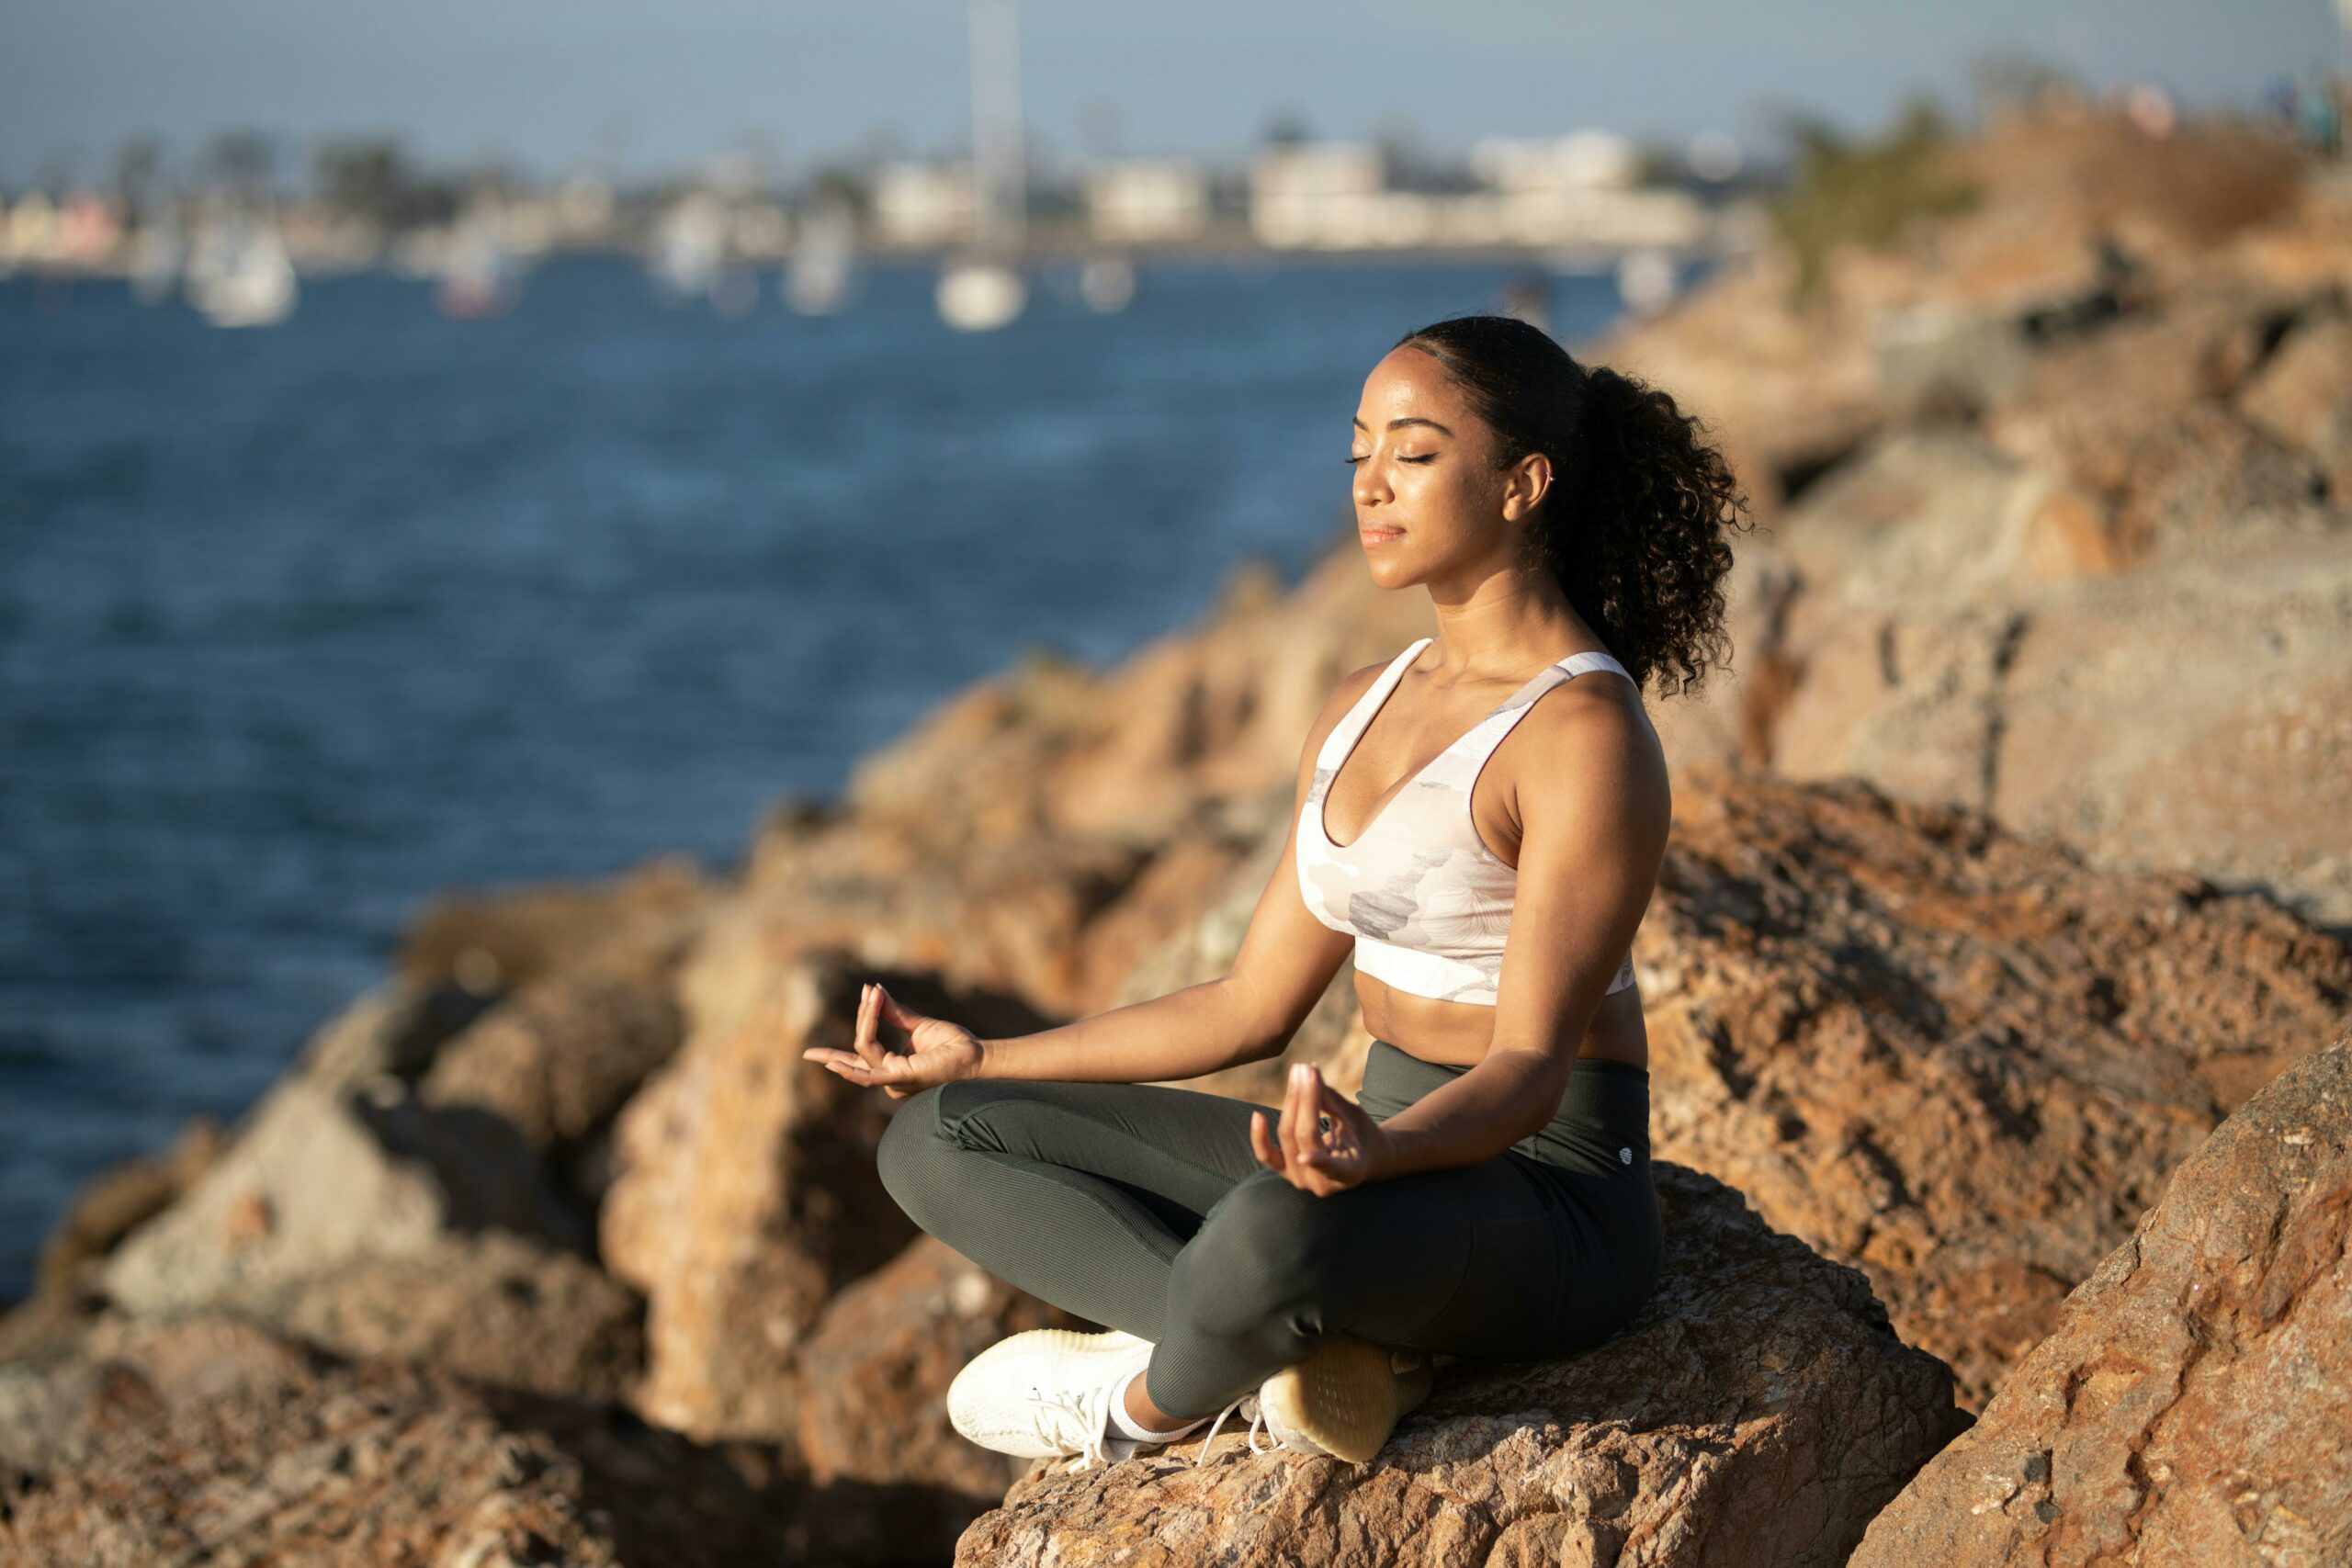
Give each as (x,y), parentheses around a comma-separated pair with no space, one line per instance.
(1525,485)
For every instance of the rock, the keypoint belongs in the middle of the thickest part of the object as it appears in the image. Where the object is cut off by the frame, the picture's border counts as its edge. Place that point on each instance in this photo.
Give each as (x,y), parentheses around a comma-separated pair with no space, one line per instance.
(1761,1399)
(1005,916)
(558,1058)
(391,1030)
(637,926)
(1958,1060)
(110,1206)
(207,1442)
(2197,716)
(320,1175)
(2194,1403)
(746,1192)
(874,1376)
(1922,517)
(2303,394)
(493,1308)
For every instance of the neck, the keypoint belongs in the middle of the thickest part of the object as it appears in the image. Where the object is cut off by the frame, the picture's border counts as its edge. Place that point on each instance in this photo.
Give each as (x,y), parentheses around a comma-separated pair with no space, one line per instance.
(1507,624)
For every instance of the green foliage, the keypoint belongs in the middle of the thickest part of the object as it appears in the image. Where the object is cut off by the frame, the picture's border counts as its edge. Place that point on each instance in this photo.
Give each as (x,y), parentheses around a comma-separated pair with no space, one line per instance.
(1846,191)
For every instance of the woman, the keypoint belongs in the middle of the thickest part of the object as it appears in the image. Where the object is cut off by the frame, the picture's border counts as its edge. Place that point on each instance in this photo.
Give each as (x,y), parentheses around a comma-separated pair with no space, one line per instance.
(1485,841)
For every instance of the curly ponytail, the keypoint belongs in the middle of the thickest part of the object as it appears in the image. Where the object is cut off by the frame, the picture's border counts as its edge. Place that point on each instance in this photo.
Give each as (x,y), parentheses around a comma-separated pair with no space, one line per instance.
(1637,522)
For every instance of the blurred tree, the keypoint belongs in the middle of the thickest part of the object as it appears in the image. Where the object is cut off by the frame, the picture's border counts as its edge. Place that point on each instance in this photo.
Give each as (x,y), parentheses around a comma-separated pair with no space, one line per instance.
(839,182)
(1285,128)
(2013,81)
(365,175)
(1849,192)
(372,177)
(136,164)
(1658,162)
(244,160)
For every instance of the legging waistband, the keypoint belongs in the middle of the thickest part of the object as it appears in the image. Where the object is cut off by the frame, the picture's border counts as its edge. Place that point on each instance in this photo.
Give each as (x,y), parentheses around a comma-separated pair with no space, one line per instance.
(1605,1108)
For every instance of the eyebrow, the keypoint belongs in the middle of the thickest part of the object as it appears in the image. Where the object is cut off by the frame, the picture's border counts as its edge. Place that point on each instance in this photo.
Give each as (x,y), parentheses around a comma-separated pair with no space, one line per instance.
(1400,423)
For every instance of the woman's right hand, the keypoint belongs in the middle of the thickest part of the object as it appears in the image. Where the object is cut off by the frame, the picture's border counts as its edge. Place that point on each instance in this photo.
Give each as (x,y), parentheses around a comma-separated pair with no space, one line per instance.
(936,1052)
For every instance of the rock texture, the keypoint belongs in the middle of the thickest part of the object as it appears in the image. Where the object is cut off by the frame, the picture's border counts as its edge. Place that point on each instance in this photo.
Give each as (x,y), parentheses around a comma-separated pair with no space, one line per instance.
(1760,1410)
(874,1379)
(1962,1061)
(207,1442)
(746,1193)
(323,1176)
(2082,558)
(2194,1403)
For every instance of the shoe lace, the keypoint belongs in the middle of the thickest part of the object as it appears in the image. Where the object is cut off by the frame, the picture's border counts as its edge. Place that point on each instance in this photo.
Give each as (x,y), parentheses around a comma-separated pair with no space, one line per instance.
(1247,1405)
(1076,1421)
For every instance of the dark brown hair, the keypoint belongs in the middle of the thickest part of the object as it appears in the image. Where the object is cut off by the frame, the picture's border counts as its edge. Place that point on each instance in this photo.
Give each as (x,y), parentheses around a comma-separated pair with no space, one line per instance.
(1636,524)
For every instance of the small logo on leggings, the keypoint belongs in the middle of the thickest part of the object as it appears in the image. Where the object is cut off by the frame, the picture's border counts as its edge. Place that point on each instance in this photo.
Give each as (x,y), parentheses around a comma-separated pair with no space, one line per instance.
(1624,1156)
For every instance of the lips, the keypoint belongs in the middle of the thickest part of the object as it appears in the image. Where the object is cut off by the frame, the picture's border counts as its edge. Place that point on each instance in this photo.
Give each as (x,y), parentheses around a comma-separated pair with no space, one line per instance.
(1371,537)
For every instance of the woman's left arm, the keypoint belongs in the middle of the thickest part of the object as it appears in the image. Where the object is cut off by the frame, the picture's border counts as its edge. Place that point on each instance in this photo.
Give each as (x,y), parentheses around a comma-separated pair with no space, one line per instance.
(1594,816)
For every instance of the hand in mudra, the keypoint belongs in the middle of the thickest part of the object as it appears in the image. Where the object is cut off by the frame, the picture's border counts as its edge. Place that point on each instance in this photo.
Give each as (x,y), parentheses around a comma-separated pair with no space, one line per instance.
(1324,1142)
(935,1051)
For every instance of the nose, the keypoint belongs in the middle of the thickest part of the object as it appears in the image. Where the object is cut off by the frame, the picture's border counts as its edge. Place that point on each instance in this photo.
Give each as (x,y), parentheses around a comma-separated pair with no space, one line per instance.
(1371,486)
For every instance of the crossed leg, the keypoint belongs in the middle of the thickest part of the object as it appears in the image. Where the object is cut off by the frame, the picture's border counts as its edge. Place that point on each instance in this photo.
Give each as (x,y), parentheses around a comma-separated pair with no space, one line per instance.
(1141,1207)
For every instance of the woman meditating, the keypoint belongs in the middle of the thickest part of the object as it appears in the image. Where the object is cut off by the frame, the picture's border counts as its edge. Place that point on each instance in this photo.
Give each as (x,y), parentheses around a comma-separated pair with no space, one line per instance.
(1480,822)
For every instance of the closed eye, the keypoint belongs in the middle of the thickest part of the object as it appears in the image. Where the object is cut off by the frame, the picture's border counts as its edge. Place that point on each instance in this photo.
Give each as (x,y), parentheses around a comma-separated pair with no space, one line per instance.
(1425,457)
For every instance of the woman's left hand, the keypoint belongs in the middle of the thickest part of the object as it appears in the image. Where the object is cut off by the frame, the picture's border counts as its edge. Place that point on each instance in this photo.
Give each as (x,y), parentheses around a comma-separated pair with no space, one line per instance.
(1324,1142)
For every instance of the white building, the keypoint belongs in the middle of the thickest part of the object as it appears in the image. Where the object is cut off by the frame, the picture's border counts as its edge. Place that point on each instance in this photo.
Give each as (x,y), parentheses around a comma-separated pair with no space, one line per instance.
(1588,160)
(1318,194)
(1574,192)
(1139,200)
(923,203)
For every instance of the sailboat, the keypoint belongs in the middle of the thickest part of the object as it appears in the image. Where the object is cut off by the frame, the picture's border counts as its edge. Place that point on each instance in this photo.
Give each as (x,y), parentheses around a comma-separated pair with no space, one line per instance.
(1106,282)
(981,289)
(815,281)
(240,276)
(689,248)
(156,256)
(477,275)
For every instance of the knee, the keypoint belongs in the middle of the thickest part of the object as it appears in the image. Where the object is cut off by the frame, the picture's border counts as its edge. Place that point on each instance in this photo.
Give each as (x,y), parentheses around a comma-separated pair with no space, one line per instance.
(907,1157)
(1266,1247)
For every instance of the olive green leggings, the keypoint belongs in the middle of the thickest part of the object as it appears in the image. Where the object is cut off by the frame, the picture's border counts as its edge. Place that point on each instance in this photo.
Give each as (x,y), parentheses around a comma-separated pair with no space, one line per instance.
(1141,1207)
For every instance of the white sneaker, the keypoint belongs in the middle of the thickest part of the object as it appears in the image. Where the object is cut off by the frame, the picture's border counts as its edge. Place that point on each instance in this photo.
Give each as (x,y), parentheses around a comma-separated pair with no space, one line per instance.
(1045,1393)
(1344,1399)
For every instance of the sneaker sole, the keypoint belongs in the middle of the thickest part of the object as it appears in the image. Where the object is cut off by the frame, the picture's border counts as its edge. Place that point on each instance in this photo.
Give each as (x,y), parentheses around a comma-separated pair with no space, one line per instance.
(1347,1397)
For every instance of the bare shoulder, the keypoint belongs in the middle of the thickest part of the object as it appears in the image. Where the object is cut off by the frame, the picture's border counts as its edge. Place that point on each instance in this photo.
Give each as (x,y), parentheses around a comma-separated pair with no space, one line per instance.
(1592,734)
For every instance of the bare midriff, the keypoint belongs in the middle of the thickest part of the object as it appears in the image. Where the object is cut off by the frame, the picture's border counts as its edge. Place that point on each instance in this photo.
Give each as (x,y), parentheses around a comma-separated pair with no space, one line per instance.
(1457,1033)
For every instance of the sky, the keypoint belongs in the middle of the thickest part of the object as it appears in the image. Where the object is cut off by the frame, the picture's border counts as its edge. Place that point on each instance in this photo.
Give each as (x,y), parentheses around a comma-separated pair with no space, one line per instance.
(647,86)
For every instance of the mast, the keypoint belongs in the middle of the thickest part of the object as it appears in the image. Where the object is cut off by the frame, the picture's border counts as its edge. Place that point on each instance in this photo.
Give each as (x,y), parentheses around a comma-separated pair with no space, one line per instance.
(999,187)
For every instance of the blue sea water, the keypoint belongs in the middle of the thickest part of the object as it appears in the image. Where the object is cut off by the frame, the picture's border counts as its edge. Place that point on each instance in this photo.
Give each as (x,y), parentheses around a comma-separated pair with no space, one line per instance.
(302,625)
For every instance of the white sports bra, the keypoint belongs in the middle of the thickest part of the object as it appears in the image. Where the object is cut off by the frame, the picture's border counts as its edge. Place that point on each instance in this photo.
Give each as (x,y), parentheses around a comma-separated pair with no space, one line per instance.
(1427,903)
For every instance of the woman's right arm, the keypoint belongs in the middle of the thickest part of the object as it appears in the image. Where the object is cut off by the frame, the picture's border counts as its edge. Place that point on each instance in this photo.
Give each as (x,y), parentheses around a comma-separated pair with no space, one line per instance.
(1285,963)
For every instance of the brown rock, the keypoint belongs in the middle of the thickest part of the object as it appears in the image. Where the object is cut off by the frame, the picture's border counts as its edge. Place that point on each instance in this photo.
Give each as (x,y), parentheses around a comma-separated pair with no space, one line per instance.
(68,1277)
(559,1057)
(494,1308)
(2194,1403)
(1760,1400)
(874,1379)
(209,1443)
(746,1192)
(321,1174)
(1958,1060)
(637,925)
(2303,395)
(2191,716)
